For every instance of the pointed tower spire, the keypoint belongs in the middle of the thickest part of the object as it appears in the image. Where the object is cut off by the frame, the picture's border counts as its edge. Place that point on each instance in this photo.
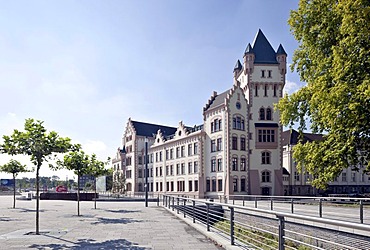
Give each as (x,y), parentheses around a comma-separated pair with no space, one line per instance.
(263,50)
(280,50)
(249,49)
(238,66)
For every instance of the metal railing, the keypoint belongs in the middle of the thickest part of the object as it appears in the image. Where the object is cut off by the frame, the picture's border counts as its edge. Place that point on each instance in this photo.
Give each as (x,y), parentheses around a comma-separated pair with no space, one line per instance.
(315,206)
(250,227)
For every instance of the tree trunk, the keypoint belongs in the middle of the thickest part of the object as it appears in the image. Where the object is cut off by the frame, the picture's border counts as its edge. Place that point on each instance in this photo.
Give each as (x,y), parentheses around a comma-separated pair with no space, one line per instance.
(14,191)
(37,199)
(78,195)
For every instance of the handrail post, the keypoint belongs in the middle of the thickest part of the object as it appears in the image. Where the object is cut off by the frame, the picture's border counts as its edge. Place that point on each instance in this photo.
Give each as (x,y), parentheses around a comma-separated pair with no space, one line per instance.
(177,204)
(272,204)
(208,217)
(231,225)
(233,200)
(173,203)
(243,201)
(158,200)
(193,211)
(255,202)
(361,211)
(184,207)
(320,208)
(281,232)
(292,205)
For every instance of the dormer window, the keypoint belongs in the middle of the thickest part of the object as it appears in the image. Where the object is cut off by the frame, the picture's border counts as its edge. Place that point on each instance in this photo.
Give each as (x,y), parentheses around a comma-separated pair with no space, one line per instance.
(269,73)
(263,75)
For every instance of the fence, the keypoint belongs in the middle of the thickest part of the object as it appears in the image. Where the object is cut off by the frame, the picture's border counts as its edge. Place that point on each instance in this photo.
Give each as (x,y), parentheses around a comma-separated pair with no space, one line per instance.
(250,227)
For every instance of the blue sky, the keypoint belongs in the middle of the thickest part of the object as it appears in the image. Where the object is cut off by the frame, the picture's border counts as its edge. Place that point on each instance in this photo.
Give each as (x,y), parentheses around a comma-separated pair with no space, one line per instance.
(85,67)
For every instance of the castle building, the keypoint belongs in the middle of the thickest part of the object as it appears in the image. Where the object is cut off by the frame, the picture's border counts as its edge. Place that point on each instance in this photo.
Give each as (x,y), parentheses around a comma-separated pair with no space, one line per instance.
(236,151)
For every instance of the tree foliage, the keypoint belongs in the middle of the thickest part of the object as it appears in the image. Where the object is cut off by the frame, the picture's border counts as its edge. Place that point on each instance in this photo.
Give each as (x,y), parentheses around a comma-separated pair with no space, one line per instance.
(333,58)
(36,142)
(13,167)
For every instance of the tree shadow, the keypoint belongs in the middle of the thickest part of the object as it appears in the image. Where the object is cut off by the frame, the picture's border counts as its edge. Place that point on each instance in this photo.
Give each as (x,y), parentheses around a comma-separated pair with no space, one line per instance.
(114,221)
(91,244)
(6,219)
(27,210)
(122,211)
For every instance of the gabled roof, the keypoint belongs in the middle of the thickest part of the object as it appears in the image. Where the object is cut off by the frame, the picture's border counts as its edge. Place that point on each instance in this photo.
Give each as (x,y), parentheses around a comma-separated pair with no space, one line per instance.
(291,137)
(217,100)
(148,129)
(262,49)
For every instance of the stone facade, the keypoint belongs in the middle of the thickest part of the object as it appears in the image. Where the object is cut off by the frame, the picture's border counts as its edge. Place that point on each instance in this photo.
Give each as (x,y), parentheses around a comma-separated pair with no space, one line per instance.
(236,151)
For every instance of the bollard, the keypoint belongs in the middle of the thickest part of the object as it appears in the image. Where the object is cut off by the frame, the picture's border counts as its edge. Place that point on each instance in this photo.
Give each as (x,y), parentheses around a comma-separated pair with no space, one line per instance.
(272,204)
(255,202)
(320,208)
(292,206)
(243,201)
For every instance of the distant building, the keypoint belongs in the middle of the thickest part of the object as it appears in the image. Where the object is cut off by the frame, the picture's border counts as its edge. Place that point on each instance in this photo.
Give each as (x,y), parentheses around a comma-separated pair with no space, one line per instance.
(296,183)
(236,150)
(84,179)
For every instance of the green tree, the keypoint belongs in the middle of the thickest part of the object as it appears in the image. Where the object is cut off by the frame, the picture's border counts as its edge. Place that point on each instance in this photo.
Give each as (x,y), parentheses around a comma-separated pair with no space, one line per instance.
(97,169)
(37,143)
(78,162)
(333,58)
(13,167)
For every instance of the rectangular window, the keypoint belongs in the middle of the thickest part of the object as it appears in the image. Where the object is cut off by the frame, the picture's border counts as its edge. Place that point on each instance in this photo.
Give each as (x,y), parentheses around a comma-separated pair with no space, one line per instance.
(196,170)
(208,185)
(167,186)
(235,164)
(167,170)
(353,177)
(160,156)
(182,168)
(242,143)
(160,171)
(213,145)
(243,185)
(235,185)
(344,176)
(167,154)
(234,145)
(171,153)
(195,185)
(256,90)
(195,148)
(263,73)
(190,149)
(214,185)
(275,90)
(140,173)
(269,73)
(171,169)
(266,135)
(219,165)
(182,151)
(156,157)
(265,94)
(140,160)
(177,152)
(178,169)
(213,165)
(190,186)
(190,167)
(296,176)
(243,164)
(219,144)
(219,185)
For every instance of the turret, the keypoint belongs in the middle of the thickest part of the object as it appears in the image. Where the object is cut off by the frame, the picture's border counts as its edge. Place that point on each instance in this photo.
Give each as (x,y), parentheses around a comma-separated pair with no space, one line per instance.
(237,69)
(281,58)
(248,59)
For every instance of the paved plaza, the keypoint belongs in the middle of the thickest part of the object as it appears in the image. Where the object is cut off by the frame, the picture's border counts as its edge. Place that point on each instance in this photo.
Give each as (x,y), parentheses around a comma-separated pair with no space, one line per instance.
(113,225)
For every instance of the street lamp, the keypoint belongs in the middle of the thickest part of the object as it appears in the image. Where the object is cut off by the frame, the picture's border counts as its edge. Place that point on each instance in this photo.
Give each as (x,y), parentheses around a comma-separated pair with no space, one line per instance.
(146,172)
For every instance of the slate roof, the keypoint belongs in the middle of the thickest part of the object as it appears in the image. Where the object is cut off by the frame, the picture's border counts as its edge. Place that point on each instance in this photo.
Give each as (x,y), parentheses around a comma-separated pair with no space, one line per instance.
(291,137)
(218,100)
(148,129)
(238,66)
(280,50)
(262,49)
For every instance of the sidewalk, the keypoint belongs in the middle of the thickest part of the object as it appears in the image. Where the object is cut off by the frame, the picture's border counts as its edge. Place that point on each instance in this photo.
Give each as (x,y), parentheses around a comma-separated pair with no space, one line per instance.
(113,225)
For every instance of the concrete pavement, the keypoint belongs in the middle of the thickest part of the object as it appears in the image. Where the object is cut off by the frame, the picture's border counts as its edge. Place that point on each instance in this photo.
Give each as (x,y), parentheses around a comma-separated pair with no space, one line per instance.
(113,225)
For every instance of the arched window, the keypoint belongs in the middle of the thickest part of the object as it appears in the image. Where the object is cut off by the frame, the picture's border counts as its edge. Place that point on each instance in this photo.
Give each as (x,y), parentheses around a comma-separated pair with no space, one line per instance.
(266,157)
(268,114)
(265,176)
(262,114)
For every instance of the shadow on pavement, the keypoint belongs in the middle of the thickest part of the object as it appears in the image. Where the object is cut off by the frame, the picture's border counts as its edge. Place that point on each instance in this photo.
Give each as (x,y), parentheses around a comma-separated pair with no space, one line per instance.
(114,221)
(122,211)
(25,210)
(91,244)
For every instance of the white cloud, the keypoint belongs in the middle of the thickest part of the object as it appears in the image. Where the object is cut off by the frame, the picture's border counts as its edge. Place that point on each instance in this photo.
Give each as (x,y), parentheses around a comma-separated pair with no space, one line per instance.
(291,87)
(92,146)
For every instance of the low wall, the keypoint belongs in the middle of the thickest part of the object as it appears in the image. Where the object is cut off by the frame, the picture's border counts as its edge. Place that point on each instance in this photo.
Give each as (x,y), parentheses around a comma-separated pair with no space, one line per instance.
(68,196)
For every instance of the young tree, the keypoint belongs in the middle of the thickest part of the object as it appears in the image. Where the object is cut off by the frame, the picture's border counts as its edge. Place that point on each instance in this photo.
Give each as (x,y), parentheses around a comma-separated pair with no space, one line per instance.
(97,169)
(78,162)
(37,143)
(13,167)
(333,58)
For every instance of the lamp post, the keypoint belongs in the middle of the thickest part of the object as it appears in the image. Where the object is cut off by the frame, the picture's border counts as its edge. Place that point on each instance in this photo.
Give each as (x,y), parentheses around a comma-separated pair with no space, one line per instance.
(146,172)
